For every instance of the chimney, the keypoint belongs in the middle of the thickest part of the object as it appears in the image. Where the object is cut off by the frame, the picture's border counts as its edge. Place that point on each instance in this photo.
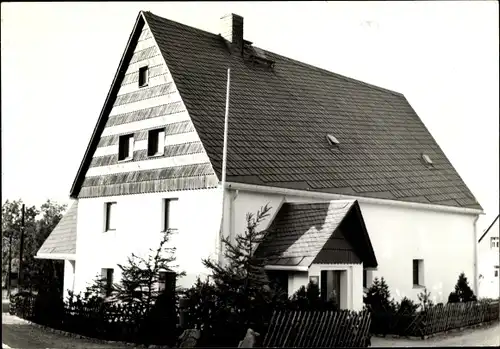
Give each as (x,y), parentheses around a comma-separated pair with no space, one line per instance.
(232,31)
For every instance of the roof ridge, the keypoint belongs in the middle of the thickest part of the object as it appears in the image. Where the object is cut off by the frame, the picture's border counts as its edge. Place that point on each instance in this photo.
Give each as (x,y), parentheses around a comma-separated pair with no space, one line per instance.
(182,24)
(294,61)
(323,70)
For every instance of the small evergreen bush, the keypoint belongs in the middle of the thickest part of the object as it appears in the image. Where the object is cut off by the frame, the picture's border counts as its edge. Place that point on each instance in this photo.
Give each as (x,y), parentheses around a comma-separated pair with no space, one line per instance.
(463,293)
(378,297)
(406,307)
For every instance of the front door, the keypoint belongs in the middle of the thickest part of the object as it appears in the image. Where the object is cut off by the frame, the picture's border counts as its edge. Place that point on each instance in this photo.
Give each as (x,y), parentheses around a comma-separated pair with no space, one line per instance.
(330,285)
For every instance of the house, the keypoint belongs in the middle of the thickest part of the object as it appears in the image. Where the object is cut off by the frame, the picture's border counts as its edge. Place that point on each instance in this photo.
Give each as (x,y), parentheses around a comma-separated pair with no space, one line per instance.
(357,185)
(489,261)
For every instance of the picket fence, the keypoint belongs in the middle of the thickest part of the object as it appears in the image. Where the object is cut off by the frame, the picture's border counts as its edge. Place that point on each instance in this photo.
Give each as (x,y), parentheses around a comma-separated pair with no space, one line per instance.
(435,320)
(319,329)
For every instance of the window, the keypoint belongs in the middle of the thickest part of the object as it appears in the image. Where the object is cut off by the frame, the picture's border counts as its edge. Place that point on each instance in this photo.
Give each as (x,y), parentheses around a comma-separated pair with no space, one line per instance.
(126,147)
(166,281)
(107,277)
(169,214)
(156,142)
(418,272)
(364,278)
(110,216)
(143,76)
(494,242)
(496,270)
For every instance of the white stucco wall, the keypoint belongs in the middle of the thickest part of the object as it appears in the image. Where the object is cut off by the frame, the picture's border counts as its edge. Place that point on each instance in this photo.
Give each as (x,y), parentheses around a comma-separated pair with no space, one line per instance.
(69,277)
(139,224)
(444,240)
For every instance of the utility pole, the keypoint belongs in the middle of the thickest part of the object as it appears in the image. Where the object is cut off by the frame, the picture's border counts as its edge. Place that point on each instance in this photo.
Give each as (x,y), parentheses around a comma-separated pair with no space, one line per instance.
(10,265)
(21,243)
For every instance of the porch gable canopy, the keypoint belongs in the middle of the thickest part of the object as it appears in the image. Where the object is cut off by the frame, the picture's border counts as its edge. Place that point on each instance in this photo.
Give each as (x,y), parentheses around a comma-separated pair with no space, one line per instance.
(61,243)
(324,233)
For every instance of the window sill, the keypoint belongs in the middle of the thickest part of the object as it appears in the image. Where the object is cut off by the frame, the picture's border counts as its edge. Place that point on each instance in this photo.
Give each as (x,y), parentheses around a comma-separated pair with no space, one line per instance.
(418,286)
(156,155)
(109,231)
(125,160)
(144,85)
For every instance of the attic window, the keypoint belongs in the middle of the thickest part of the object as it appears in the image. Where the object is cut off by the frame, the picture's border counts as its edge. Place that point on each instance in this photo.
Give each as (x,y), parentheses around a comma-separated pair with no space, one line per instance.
(156,142)
(332,140)
(143,76)
(126,147)
(427,159)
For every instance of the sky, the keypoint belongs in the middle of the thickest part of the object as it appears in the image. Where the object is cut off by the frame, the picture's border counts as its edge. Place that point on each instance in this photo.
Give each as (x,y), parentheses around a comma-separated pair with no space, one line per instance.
(59,59)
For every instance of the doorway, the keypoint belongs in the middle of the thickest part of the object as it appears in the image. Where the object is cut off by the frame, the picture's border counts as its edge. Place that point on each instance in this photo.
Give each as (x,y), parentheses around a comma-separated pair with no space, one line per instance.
(331,286)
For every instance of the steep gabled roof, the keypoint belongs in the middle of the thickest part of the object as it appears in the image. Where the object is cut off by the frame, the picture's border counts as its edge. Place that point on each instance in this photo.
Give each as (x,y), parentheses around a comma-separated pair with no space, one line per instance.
(331,233)
(279,119)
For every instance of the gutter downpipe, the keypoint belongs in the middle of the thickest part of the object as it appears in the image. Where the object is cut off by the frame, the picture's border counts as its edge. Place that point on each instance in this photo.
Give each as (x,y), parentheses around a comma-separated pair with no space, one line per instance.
(331,196)
(476,290)
(224,165)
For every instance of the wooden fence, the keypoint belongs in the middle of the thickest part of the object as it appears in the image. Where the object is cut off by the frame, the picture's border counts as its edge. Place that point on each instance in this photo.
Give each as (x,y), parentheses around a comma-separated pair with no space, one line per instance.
(436,319)
(117,322)
(323,329)
(458,315)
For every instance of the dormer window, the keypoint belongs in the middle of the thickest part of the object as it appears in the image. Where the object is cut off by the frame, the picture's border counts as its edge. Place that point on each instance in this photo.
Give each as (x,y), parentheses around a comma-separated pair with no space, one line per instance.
(143,76)
(332,141)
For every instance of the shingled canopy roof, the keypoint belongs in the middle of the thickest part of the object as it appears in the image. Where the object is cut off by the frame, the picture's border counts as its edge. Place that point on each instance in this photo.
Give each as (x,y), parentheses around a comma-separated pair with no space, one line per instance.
(279,118)
(61,243)
(324,233)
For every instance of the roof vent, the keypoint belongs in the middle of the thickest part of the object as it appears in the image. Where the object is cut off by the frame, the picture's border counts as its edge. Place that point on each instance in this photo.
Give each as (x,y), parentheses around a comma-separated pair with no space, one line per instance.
(427,159)
(332,140)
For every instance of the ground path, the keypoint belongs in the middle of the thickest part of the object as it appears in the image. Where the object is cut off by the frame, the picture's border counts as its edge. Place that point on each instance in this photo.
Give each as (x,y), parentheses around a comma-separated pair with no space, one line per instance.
(483,336)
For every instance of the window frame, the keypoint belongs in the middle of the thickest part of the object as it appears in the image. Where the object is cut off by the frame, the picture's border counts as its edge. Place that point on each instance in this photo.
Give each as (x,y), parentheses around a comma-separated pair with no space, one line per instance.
(143,80)
(165,217)
(107,209)
(418,273)
(156,136)
(494,242)
(126,140)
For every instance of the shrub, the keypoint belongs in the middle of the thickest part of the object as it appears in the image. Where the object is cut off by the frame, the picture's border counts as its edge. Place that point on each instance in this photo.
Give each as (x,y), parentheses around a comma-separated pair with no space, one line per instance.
(377,297)
(406,307)
(309,298)
(425,300)
(463,293)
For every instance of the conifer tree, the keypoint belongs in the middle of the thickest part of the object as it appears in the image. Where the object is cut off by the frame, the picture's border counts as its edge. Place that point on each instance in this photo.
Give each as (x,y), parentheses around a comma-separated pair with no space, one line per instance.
(463,293)
(140,276)
(378,297)
(242,281)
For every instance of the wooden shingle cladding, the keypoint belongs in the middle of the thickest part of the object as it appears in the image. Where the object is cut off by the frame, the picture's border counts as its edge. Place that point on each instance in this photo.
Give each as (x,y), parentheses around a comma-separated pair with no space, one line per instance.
(62,240)
(136,110)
